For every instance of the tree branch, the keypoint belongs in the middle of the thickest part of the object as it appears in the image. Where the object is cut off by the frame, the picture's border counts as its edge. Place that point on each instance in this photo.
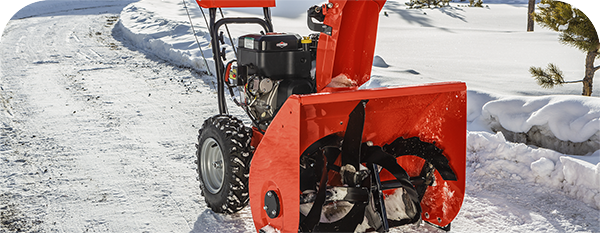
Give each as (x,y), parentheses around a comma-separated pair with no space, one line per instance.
(578,81)
(596,68)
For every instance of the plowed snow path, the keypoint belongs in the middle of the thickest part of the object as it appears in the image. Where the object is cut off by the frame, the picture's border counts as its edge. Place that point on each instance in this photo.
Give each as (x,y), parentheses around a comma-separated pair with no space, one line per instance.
(95,136)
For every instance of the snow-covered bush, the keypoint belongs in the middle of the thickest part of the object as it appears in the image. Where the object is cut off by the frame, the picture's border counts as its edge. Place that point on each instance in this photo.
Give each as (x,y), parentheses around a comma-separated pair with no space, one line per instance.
(567,124)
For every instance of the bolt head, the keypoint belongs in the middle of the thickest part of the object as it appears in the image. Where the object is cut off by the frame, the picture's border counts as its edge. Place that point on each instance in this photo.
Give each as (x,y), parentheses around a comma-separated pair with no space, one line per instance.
(218,164)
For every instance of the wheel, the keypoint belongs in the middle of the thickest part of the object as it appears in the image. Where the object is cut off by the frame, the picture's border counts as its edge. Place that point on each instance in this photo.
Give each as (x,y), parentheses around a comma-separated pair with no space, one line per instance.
(224,155)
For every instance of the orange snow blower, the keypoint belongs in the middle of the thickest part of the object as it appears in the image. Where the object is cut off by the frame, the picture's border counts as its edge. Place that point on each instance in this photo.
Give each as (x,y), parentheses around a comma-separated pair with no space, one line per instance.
(320,154)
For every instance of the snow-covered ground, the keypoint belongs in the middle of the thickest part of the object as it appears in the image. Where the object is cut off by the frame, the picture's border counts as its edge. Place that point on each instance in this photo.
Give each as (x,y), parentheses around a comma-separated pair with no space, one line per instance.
(100,110)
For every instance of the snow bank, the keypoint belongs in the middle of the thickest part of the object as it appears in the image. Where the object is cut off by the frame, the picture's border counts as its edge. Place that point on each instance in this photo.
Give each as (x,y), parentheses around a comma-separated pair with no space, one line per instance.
(568,124)
(490,155)
(17,9)
(475,102)
(571,118)
(168,36)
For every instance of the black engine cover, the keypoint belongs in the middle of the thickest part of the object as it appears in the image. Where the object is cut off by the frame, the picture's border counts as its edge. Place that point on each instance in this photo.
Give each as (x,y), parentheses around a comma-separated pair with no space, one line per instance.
(289,87)
(277,56)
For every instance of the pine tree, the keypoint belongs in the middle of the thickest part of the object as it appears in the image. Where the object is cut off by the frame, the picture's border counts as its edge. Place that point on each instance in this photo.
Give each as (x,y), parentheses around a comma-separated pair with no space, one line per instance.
(575,30)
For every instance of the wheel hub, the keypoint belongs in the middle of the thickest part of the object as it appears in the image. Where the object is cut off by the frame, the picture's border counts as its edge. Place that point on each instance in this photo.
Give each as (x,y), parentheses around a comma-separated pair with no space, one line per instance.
(218,164)
(211,159)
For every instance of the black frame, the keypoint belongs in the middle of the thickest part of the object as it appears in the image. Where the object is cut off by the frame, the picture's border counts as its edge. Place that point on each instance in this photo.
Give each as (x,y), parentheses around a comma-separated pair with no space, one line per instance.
(266,23)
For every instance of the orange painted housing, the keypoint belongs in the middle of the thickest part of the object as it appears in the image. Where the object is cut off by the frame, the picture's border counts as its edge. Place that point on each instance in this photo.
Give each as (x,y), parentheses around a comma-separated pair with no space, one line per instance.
(434,113)
(350,48)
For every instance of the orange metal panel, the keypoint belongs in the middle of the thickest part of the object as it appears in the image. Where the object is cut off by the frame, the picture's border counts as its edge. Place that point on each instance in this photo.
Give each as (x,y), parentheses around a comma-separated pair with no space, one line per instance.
(276,166)
(434,113)
(235,3)
(350,48)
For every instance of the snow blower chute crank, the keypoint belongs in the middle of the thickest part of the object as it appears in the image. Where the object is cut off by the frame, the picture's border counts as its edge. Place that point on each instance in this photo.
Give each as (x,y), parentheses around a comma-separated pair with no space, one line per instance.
(320,154)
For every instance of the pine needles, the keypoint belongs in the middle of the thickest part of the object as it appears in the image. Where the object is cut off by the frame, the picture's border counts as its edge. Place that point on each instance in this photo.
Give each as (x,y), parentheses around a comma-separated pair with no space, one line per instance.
(576,30)
(550,77)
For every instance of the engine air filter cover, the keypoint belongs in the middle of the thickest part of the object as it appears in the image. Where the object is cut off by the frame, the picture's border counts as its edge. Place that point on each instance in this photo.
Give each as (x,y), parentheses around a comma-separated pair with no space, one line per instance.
(270,42)
(276,56)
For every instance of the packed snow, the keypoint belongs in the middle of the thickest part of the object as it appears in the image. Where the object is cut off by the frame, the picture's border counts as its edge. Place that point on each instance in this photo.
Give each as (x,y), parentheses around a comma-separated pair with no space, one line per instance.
(101,102)
(564,123)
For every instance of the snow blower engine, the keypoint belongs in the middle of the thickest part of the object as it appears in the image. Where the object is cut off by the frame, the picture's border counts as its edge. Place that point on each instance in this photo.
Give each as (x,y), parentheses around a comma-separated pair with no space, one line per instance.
(270,68)
(320,155)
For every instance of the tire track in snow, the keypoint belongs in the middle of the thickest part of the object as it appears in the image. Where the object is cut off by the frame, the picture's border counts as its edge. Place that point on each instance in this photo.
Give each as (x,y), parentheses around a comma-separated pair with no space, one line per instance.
(127,131)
